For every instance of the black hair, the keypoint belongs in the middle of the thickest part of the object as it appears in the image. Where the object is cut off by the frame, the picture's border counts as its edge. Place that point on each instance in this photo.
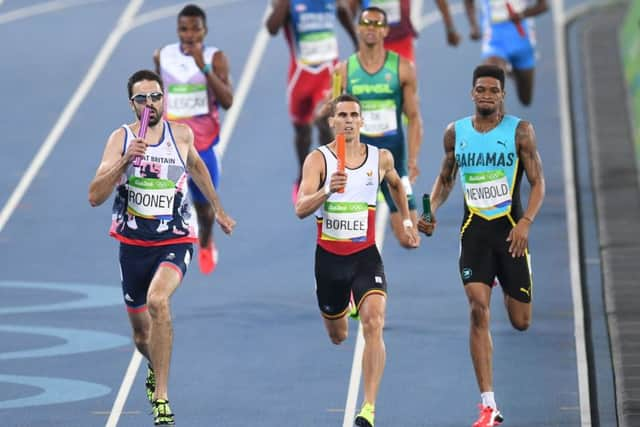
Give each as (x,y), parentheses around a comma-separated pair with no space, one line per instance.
(374,9)
(488,71)
(143,75)
(192,10)
(345,97)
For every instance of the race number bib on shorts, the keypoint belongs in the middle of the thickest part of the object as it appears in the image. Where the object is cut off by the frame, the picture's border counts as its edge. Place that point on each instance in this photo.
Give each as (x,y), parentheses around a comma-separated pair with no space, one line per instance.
(187,100)
(318,48)
(150,197)
(345,221)
(391,8)
(499,11)
(379,117)
(486,190)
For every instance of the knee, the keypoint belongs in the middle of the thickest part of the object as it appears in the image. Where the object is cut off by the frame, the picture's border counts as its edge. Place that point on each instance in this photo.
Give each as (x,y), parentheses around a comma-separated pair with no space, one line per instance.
(521,323)
(141,337)
(480,315)
(158,304)
(372,325)
(206,213)
(338,337)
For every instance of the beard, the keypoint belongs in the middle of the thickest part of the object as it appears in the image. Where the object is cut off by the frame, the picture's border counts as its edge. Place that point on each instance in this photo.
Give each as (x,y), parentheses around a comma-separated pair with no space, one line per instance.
(154,120)
(486,111)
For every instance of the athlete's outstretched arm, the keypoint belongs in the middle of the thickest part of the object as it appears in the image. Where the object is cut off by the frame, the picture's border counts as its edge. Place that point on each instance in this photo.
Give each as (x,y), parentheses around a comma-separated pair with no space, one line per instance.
(200,175)
(113,165)
(530,159)
(445,180)
(345,16)
(398,194)
(278,16)
(411,107)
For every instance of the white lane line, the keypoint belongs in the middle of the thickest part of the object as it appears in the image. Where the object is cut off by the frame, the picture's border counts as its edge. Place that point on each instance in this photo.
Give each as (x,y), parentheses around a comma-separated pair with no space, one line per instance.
(230,119)
(571,208)
(39,9)
(127,381)
(69,111)
(381,221)
(246,80)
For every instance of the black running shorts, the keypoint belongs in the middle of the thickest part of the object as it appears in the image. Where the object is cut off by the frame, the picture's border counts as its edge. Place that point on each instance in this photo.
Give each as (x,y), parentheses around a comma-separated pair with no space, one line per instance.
(484,255)
(338,275)
(138,264)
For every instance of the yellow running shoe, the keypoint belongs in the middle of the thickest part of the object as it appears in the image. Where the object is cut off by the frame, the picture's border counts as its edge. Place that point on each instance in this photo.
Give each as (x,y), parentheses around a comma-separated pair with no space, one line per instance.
(162,415)
(366,415)
(150,383)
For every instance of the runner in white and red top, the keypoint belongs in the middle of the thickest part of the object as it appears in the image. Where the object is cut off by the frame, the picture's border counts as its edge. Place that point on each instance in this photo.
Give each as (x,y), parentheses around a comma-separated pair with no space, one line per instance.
(347,259)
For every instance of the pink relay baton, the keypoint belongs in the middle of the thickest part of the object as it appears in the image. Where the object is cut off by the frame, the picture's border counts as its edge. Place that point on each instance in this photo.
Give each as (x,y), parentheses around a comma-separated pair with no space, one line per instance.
(144,124)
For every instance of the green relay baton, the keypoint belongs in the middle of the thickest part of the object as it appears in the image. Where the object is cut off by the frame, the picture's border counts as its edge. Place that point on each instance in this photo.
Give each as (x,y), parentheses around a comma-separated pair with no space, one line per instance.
(426,209)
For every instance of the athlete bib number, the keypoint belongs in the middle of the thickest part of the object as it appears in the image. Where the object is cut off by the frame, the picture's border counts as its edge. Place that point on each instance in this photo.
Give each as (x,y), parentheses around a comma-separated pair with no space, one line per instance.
(499,11)
(391,8)
(345,221)
(150,197)
(486,190)
(187,100)
(379,118)
(318,48)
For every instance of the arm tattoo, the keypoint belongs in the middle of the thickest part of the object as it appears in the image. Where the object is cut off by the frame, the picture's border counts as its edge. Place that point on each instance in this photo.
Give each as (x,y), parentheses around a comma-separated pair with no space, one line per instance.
(449,165)
(528,152)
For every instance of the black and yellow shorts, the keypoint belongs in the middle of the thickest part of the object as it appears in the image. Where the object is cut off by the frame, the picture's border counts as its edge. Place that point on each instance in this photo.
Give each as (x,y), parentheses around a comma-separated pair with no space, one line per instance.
(484,255)
(338,275)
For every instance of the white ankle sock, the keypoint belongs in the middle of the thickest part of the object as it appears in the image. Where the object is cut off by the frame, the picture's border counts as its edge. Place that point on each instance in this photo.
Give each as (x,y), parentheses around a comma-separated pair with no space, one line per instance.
(488,399)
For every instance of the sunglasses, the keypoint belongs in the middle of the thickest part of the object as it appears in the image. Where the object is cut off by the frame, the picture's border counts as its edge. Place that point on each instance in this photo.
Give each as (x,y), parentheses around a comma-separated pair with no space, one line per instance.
(141,98)
(371,23)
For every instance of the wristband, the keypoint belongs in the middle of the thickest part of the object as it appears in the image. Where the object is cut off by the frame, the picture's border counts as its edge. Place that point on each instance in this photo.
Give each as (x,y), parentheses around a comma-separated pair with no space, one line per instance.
(527,219)
(206,69)
(407,223)
(327,191)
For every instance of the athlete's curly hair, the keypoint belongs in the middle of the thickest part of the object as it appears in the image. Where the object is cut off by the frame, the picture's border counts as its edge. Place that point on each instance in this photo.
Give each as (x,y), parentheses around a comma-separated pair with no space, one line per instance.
(192,10)
(488,71)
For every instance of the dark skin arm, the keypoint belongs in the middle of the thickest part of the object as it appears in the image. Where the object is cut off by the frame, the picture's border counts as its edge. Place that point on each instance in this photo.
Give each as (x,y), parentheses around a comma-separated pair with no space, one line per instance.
(470,8)
(411,107)
(453,38)
(345,16)
(540,7)
(530,160)
(278,16)
(444,181)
